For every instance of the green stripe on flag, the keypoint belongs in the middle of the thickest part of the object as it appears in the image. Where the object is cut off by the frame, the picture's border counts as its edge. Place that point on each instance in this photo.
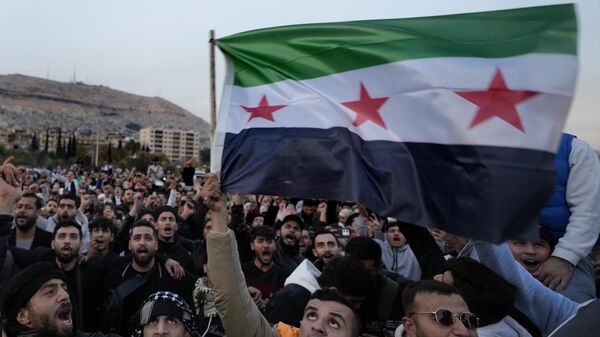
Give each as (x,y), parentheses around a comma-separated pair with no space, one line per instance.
(307,51)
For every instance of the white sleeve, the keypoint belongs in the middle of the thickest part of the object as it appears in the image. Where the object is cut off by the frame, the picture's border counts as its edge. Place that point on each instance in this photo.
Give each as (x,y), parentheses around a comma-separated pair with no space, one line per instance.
(172,198)
(583,198)
(544,307)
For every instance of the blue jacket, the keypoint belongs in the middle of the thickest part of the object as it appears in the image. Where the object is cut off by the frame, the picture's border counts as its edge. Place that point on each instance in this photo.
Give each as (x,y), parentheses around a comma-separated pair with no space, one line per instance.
(555,215)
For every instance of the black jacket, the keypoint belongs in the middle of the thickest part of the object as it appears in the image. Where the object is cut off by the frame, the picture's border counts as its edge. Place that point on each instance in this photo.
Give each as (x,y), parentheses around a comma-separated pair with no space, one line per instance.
(287,305)
(158,280)
(41,238)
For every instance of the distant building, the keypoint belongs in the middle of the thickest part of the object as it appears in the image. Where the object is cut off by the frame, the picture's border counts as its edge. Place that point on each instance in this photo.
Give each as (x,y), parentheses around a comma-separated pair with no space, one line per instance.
(15,138)
(175,144)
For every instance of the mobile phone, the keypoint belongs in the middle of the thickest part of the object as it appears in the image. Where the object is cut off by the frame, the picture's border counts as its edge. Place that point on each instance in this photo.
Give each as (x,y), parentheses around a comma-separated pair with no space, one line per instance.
(343,232)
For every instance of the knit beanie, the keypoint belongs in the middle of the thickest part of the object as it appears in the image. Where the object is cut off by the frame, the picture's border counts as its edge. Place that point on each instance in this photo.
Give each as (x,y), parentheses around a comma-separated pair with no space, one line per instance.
(25,284)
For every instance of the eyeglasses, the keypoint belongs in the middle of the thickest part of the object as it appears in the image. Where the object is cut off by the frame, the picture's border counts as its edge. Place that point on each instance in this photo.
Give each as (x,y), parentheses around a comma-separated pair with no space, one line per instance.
(446,318)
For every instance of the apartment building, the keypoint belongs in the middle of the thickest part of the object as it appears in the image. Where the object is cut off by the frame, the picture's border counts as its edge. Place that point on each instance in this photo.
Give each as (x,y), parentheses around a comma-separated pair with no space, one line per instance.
(175,144)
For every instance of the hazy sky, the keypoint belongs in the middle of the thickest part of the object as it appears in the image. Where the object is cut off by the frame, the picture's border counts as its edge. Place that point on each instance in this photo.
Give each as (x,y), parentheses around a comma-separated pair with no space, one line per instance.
(160,48)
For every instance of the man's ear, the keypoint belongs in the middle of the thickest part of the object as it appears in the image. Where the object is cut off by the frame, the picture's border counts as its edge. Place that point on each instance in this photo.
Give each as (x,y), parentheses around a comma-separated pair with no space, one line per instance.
(24,316)
(409,327)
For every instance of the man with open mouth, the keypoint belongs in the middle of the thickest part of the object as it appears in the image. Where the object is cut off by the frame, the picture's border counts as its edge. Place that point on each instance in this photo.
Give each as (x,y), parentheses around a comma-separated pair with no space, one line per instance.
(262,273)
(38,303)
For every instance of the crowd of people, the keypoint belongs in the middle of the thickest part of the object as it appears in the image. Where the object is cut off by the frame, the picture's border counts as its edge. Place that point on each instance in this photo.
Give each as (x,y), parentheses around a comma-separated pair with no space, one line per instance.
(130,252)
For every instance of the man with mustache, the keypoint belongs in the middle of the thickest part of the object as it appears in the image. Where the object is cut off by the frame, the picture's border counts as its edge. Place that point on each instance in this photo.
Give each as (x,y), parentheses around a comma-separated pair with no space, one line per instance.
(143,245)
(69,208)
(38,303)
(26,234)
(325,248)
(262,273)
(287,254)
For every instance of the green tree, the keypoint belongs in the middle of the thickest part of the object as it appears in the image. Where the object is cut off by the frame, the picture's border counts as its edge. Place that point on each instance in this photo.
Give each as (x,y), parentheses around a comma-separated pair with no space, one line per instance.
(59,148)
(34,143)
(74,146)
(47,140)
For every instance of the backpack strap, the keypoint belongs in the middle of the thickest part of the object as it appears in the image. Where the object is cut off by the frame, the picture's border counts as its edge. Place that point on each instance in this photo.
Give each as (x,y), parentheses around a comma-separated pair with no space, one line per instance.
(525,322)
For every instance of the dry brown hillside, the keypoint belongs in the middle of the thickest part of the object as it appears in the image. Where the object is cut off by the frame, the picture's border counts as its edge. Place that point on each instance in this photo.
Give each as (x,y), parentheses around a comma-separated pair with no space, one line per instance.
(35,103)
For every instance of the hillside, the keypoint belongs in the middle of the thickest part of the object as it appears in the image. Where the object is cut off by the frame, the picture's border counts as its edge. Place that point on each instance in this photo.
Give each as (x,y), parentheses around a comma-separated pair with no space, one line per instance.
(35,103)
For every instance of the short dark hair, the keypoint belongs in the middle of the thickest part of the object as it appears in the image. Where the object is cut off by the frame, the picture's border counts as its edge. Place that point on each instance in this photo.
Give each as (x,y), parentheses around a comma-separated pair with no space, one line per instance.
(164,209)
(102,223)
(145,211)
(364,248)
(143,223)
(333,295)
(67,223)
(262,231)
(69,196)
(425,287)
(38,201)
(488,295)
(322,231)
(348,275)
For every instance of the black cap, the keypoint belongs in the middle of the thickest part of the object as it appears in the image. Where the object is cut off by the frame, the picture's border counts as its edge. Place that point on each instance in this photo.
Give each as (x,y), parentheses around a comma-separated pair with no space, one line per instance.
(295,218)
(24,284)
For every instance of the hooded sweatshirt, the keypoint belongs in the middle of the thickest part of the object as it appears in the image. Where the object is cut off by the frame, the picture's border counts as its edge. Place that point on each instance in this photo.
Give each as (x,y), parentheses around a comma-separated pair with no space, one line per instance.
(401,260)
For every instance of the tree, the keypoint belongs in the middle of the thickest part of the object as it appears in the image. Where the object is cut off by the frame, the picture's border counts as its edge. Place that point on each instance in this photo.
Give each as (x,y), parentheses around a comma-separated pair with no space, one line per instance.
(74,146)
(59,148)
(34,143)
(109,154)
(120,146)
(47,140)
(68,153)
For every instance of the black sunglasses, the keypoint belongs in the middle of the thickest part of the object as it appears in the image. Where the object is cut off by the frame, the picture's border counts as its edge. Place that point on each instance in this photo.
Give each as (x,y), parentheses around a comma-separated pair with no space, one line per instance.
(446,318)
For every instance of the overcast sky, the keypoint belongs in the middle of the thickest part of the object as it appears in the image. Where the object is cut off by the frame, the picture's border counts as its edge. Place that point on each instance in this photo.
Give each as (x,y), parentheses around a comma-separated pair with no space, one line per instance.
(160,48)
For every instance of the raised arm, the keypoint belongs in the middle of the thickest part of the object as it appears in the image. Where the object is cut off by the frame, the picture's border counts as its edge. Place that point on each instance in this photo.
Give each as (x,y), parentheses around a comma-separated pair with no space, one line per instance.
(239,314)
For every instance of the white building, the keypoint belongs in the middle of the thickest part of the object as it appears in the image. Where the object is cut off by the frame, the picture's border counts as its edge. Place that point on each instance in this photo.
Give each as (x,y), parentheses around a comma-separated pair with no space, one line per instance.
(176,144)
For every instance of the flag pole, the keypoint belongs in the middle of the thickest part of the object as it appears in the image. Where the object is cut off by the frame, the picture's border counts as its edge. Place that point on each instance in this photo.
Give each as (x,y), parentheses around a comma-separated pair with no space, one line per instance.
(213,97)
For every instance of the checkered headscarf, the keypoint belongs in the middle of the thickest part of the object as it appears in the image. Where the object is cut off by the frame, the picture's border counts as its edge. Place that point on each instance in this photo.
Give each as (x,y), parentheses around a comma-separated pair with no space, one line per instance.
(165,303)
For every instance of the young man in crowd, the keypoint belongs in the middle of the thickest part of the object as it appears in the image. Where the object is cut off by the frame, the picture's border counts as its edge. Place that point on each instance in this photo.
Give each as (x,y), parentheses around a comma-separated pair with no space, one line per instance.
(102,233)
(287,254)
(396,253)
(143,245)
(168,240)
(26,234)
(165,314)
(435,309)
(262,273)
(38,303)
(326,246)
(68,208)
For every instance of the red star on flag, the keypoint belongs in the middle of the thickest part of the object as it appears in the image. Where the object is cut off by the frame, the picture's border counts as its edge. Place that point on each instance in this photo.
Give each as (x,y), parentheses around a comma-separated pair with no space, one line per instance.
(263,110)
(366,108)
(497,101)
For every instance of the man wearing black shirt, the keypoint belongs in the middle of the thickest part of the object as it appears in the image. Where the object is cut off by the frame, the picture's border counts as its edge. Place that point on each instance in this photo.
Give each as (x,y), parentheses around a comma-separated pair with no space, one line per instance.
(143,244)
(169,241)
(262,273)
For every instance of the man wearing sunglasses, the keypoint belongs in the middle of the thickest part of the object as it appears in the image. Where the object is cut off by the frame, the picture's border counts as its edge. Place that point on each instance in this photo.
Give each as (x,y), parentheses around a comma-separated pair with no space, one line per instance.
(435,309)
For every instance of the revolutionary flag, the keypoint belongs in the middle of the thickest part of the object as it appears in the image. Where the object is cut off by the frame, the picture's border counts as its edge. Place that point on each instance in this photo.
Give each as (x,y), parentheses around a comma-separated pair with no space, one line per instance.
(447,121)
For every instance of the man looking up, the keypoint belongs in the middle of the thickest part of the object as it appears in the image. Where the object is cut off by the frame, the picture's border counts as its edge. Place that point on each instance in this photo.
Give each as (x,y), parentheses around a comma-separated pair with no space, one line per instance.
(326,314)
